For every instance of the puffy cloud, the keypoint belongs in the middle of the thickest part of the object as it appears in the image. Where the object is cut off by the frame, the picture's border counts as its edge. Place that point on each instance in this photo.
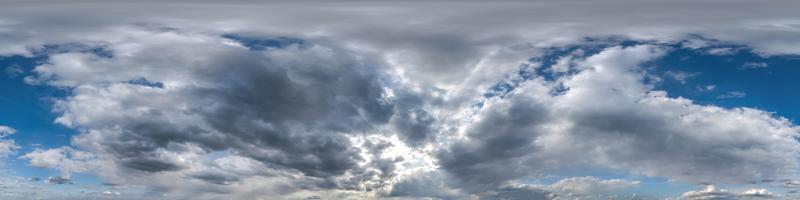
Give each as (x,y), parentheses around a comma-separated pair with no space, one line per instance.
(64,159)
(210,114)
(608,117)
(169,103)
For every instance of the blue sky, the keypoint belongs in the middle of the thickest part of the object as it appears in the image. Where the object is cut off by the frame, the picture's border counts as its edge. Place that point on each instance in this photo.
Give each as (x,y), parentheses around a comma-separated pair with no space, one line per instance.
(414,100)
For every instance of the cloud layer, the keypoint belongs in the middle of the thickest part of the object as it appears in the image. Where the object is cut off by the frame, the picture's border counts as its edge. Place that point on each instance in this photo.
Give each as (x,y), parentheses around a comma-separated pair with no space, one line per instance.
(392,104)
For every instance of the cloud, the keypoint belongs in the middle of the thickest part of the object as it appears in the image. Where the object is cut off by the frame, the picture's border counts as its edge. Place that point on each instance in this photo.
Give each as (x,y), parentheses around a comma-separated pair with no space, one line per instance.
(5,131)
(15,187)
(712,193)
(59,180)
(367,100)
(14,71)
(170,102)
(753,65)
(680,76)
(607,117)
(569,188)
(592,185)
(520,192)
(7,146)
(732,95)
(723,51)
(291,117)
(64,159)
(707,88)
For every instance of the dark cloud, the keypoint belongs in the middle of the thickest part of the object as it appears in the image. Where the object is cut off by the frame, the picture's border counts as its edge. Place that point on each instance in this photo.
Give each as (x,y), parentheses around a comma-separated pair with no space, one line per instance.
(499,145)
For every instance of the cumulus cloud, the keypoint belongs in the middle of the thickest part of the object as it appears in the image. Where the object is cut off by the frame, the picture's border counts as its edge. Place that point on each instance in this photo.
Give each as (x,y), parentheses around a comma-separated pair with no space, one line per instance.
(64,159)
(291,116)
(170,102)
(608,117)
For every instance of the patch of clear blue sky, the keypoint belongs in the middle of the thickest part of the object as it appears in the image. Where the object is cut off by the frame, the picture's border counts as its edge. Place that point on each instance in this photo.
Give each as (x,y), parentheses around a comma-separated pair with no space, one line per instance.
(771,87)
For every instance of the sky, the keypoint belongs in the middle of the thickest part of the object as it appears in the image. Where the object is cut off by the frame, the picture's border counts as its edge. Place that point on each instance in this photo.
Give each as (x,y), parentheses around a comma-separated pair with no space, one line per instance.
(541,100)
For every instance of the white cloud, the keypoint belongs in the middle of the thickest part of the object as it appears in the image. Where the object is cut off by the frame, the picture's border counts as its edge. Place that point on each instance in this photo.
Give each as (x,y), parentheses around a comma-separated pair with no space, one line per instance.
(7,146)
(608,117)
(5,131)
(64,159)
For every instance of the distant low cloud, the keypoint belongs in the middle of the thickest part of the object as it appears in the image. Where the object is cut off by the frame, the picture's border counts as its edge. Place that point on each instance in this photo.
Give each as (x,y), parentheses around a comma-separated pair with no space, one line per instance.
(592,185)
(681,76)
(59,180)
(732,95)
(753,65)
(710,192)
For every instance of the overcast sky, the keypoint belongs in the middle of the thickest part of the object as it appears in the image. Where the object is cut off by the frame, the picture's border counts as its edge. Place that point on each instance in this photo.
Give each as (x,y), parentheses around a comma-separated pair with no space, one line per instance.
(616,99)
